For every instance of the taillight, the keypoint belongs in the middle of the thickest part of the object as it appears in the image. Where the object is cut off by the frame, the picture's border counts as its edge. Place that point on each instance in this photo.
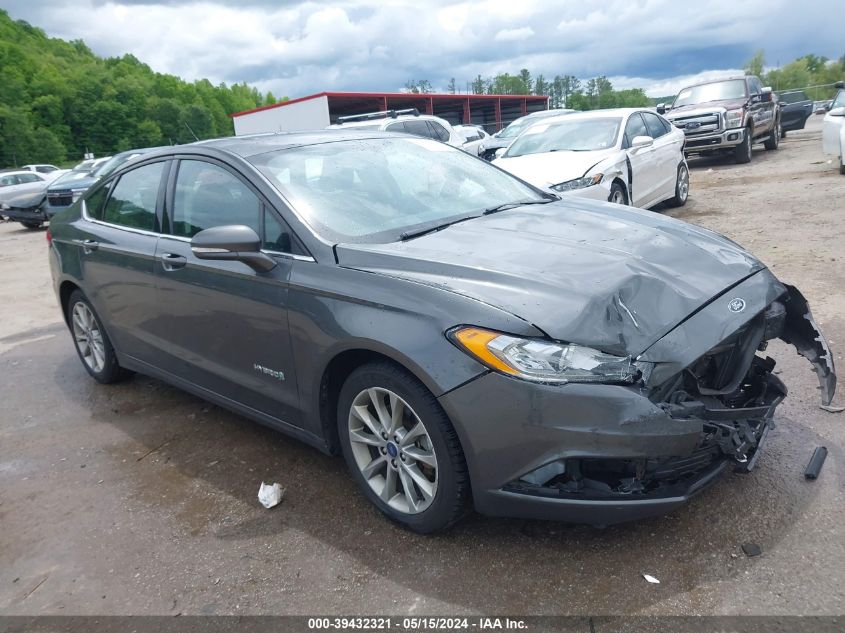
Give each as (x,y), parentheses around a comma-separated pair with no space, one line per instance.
(49,237)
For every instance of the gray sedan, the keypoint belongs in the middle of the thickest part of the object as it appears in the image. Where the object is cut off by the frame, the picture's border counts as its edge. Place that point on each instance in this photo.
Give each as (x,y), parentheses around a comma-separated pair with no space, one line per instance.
(461,337)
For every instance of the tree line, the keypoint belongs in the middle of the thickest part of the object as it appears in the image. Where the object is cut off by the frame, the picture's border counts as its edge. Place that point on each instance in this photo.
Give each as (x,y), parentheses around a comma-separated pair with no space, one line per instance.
(806,71)
(563,91)
(59,100)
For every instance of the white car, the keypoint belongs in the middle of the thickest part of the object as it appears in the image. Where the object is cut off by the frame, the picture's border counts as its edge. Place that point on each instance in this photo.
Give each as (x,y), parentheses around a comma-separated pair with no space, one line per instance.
(833,130)
(408,121)
(474,136)
(627,156)
(50,172)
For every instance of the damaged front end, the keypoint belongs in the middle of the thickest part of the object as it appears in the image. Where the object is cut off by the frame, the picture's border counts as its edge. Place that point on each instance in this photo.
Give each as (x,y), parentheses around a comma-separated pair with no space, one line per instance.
(730,390)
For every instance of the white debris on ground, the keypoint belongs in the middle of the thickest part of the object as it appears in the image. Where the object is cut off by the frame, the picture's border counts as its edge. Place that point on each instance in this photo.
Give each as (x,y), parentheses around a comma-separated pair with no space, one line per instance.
(270,495)
(651,579)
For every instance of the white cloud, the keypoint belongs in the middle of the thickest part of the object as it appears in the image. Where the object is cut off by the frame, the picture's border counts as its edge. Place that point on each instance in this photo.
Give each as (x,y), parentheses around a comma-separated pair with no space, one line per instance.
(299,47)
(514,35)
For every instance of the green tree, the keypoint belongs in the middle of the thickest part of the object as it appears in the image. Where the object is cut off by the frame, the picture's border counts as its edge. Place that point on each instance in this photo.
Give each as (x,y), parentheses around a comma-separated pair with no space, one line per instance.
(754,66)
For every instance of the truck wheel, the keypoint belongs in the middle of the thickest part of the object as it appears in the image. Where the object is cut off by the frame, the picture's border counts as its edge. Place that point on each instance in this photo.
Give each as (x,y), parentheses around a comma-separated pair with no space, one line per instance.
(773,139)
(742,152)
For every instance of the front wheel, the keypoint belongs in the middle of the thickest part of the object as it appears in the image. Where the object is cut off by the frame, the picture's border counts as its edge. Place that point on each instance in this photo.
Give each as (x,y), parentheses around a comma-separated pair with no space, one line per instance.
(681,187)
(401,448)
(92,344)
(617,194)
(742,152)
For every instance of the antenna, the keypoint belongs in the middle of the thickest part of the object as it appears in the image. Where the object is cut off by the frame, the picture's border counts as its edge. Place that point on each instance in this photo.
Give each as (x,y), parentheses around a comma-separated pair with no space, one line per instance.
(191,131)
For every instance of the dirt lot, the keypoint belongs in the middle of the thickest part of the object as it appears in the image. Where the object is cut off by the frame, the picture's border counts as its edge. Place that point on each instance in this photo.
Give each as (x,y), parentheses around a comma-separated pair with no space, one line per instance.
(141,499)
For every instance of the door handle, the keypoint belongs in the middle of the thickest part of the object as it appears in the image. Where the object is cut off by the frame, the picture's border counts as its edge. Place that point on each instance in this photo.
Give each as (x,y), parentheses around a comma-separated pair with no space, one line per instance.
(171,261)
(89,246)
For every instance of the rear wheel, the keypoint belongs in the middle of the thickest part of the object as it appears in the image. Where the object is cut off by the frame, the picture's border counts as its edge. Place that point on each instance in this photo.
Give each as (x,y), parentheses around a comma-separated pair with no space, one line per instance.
(91,341)
(742,152)
(617,194)
(681,187)
(773,139)
(401,448)
(783,133)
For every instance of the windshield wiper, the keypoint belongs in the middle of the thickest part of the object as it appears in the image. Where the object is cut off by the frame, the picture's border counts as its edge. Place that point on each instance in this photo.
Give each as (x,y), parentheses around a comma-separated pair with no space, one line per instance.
(409,235)
(518,203)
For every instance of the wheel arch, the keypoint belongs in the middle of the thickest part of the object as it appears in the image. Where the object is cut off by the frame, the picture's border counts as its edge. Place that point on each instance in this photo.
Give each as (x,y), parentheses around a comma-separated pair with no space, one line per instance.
(66,288)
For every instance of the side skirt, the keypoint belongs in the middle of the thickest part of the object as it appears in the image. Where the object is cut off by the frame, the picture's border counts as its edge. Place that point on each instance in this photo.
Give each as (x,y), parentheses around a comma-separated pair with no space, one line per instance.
(141,367)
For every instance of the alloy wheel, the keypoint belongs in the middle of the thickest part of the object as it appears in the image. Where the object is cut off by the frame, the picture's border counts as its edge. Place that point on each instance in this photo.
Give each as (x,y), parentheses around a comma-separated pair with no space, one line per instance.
(683,183)
(88,337)
(393,450)
(618,196)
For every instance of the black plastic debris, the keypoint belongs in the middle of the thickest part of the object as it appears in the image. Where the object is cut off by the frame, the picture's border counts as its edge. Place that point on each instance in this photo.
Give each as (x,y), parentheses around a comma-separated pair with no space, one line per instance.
(816,462)
(751,549)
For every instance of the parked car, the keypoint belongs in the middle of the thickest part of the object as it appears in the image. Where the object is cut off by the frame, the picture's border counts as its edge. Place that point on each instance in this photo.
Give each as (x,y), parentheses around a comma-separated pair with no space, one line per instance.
(445,326)
(502,139)
(822,107)
(795,108)
(22,194)
(833,130)
(726,116)
(627,156)
(408,121)
(67,189)
(49,171)
(90,164)
(474,136)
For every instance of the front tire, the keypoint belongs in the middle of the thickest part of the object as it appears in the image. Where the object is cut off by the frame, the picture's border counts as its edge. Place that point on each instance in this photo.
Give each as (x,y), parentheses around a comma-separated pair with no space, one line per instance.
(742,152)
(91,341)
(401,448)
(681,187)
(618,195)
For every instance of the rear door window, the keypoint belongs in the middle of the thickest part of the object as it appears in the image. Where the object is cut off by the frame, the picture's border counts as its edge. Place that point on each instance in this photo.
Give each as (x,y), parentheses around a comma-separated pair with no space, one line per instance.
(133,200)
(27,178)
(419,128)
(439,132)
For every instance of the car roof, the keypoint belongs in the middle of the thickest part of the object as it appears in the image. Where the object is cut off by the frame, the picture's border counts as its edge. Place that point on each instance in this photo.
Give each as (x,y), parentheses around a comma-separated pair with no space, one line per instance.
(388,120)
(17,172)
(252,145)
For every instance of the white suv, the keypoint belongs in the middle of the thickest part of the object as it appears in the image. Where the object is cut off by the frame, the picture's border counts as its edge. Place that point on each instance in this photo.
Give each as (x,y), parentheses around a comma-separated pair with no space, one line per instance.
(408,121)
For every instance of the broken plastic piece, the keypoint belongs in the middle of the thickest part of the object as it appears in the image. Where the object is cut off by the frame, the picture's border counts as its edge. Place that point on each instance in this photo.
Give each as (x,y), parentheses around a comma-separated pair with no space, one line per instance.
(270,495)
(816,463)
(751,549)
(651,579)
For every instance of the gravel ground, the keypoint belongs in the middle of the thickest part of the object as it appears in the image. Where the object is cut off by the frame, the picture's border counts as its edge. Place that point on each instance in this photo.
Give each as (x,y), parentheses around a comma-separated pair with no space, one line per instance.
(140,499)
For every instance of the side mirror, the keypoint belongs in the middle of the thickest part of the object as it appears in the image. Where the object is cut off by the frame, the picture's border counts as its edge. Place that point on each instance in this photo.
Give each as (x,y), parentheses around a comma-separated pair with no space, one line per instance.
(766,95)
(661,108)
(640,142)
(837,111)
(234,242)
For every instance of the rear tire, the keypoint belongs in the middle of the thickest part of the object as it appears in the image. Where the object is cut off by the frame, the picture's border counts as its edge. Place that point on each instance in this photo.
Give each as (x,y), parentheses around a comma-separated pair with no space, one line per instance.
(783,133)
(742,152)
(91,341)
(773,139)
(681,187)
(401,448)
(618,195)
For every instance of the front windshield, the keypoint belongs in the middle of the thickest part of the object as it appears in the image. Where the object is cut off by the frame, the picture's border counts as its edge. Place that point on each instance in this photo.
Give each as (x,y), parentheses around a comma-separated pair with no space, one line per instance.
(717,91)
(838,100)
(575,135)
(513,130)
(375,190)
(71,176)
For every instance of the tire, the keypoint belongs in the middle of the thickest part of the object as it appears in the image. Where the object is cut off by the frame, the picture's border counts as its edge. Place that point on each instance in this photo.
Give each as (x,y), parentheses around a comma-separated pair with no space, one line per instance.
(32,225)
(842,165)
(742,152)
(773,139)
(783,133)
(617,194)
(681,187)
(441,465)
(89,335)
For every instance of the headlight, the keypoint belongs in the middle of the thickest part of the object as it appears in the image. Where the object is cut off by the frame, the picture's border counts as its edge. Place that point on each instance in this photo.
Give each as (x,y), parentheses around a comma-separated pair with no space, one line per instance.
(542,361)
(733,118)
(578,183)
(76,194)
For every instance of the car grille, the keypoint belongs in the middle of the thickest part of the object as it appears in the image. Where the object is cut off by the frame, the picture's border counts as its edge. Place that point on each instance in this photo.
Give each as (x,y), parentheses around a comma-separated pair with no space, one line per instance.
(60,199)
(699,124)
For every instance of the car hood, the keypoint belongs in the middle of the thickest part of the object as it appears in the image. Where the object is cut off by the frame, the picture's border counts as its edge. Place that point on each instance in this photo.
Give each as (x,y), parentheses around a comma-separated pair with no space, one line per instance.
(24,199)
(609,277)
(707,106)
(82,183)
(551,168)
(494,142)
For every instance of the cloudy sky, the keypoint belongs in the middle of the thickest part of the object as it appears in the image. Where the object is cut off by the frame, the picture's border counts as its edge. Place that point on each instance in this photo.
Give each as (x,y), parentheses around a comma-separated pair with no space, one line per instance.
(296,48)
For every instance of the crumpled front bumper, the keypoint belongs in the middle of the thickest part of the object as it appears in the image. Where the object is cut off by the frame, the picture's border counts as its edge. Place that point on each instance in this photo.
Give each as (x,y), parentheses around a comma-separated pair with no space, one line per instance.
(602,454)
